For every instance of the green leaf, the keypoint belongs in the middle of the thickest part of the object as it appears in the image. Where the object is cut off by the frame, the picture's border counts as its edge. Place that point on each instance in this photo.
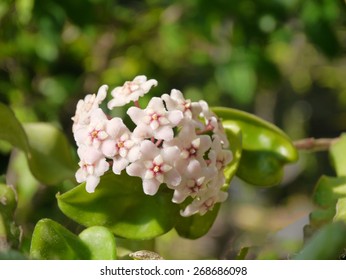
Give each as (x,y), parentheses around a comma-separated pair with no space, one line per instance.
(9,231)
(337,153)
(327,244)
(266,148)
(196,226)
(11,130)
(120,204)
(340,214)
(100,242)
(326,195)
(51,241)
(46,147)
(234,137)
(50,157)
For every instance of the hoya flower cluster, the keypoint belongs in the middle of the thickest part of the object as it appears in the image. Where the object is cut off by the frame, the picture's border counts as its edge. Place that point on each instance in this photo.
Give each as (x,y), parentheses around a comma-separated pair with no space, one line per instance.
(176,142)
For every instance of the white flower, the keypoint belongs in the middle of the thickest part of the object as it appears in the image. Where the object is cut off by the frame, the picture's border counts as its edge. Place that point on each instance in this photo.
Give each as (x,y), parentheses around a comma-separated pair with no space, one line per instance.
(155,166)
(213,123)
(92,166)
(120,145)
(191,145)
(175,142)
(194,179)
(155,121)
(219,157)
(205,202)
(94,133)
(131,91)
(85,107)
(176,101)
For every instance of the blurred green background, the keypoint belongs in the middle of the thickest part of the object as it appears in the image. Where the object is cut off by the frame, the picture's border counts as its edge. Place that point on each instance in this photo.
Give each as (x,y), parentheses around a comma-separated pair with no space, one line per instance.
(283,60)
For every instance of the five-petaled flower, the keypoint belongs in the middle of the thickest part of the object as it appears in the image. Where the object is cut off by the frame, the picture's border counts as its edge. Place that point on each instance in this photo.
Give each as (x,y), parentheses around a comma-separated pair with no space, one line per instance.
(131,91)
(156,166)
(155,121)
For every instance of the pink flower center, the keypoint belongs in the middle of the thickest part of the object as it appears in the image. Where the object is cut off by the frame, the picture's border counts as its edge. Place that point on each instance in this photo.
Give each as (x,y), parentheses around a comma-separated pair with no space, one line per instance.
(94,134)
(187,105)
(120,145)
(156,169)
(208,204)
(155,117)
(192,151)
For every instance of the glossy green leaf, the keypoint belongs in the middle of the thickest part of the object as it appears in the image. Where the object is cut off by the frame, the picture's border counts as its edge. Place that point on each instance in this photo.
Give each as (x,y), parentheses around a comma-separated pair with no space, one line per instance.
(120,204)
(100,242)
(326,195)
(51,241)
(196,226)
(9,231)
(266,148)
(234,137)
(46,148)
(327,244)
(337,153)
(340,214)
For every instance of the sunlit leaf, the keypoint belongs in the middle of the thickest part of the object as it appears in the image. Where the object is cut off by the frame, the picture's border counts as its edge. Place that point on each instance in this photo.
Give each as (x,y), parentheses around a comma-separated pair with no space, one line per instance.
(51,241)
(337,153)
(100,242)
(266,149)
(234,137)
(326,195)
(120,204)
(340,214)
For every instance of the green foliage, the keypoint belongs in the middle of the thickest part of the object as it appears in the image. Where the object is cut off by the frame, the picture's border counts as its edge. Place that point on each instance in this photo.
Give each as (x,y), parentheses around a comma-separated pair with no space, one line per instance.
(46,147)
(327,244)
(330,192)
(196,226)
(234,136)
(120,204)
(100,242)
(328,221)
(52,241)
(327,193)
(9,231)
(265,148)
(11,130)
(337,155)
